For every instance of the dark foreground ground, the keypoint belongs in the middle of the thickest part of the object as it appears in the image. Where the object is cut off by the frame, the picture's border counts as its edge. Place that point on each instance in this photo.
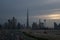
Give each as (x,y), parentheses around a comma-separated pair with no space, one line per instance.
(17,35)
(28,35)
(14,35)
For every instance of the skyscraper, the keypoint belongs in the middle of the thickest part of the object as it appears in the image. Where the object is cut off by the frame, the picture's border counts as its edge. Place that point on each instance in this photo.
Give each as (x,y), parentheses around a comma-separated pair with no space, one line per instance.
(27,19)
(45,22)
(41,24)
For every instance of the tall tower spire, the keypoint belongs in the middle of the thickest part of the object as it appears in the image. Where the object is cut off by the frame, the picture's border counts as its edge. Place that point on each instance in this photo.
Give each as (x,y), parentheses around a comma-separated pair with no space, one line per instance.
(27,19)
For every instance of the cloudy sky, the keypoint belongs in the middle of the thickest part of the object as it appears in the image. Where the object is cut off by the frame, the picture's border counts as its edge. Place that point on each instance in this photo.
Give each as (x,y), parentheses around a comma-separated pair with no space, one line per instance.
(38,9)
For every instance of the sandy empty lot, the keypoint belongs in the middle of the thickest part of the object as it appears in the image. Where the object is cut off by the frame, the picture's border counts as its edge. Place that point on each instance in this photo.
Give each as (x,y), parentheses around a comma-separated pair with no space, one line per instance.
(49,34)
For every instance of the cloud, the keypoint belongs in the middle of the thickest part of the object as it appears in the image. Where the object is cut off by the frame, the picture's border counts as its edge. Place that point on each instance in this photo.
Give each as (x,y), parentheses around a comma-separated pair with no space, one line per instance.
(52,15)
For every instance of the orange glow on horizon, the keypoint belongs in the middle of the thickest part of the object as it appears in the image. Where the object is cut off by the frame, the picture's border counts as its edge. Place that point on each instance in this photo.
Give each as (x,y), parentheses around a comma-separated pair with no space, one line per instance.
(50,16)
(54,16)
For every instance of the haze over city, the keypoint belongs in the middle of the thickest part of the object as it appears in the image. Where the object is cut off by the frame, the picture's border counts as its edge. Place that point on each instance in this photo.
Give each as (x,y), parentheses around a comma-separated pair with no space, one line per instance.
(38,9)
(29,19)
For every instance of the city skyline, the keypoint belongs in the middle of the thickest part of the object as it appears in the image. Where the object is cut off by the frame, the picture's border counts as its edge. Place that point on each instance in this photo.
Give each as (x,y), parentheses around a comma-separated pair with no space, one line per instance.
(38,9)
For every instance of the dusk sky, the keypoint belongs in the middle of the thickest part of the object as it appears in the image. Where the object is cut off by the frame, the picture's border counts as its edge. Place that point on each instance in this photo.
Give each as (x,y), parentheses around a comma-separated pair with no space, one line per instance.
(38,9)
